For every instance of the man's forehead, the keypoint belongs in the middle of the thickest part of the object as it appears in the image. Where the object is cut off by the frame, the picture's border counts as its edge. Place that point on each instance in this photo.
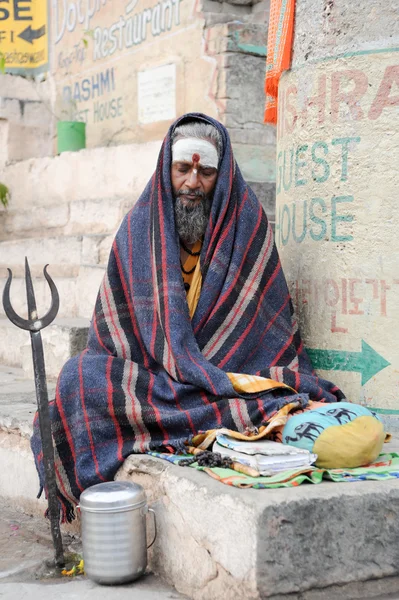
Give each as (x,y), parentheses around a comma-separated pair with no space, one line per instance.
(203,151)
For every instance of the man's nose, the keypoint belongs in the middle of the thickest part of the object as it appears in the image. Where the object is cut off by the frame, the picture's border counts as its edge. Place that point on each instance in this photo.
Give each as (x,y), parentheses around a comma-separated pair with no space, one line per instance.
(192,180)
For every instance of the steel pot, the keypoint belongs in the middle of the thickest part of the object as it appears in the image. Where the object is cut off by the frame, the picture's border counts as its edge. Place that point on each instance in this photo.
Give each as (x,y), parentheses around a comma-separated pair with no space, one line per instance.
(114,536)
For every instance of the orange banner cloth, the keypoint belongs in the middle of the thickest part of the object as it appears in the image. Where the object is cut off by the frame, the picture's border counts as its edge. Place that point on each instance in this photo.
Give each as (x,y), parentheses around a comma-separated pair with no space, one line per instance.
(279,48)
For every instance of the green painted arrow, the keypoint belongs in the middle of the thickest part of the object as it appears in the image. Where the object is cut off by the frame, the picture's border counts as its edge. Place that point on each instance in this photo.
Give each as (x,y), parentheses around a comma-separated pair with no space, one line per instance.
(367,362)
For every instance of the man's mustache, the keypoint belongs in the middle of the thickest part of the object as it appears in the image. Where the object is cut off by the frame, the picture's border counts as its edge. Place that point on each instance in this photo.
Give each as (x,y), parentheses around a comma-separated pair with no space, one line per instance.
(196,193)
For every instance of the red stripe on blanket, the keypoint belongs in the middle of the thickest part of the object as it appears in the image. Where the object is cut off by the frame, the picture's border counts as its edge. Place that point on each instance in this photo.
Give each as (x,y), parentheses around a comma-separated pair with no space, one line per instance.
(110,313)
(262,410)
(134,321)
(269,325)
(136,420)
(128,299)
(85,416)
(224,297)
(68,436)
(283,349)
(197,364)
(212,308)
(243,202)
(61,484)
(165,290)
(156,410)
(186,412)
(249,289)
(112,410)
(99,340)
(214,406)
(220,221)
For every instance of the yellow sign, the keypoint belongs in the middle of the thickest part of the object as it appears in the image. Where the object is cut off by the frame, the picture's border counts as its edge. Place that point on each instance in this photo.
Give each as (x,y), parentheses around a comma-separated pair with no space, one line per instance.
(24,35)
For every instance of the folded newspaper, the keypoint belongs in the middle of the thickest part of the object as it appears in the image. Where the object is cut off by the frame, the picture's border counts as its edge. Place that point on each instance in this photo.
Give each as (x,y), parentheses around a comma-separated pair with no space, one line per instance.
(264,455)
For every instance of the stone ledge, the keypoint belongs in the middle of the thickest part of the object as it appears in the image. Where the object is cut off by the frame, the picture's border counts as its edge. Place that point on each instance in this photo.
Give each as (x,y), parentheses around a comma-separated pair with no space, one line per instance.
(220,542)
(117,171)
(82,217)
(77,286)
(72,250)
(69,300)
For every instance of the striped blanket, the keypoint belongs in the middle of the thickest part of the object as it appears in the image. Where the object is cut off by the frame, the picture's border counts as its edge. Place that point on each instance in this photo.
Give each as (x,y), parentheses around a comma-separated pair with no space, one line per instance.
(151,378)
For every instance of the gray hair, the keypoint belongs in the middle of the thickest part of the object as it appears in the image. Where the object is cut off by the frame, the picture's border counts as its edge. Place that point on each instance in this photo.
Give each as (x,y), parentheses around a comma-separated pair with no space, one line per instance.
(200,130)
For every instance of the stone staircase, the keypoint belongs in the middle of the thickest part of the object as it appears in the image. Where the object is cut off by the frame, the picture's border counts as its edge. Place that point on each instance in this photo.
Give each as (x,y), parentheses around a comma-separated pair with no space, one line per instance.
(64,211)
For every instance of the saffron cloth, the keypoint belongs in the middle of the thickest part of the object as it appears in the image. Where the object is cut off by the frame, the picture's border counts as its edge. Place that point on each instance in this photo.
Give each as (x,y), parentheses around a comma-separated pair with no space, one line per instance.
(279,48)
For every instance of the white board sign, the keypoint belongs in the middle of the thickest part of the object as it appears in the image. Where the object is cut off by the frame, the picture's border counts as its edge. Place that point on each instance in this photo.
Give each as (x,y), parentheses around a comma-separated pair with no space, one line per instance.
(156,94)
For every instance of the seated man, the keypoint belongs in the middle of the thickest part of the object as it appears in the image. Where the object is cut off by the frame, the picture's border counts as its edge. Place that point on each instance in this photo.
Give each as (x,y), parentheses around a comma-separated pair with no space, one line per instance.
(193,327)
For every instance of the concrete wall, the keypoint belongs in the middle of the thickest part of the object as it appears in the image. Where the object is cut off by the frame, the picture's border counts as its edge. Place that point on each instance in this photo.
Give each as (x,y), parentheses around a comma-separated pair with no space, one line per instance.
(138,67)
(26,119)
(337,182)
(128,70)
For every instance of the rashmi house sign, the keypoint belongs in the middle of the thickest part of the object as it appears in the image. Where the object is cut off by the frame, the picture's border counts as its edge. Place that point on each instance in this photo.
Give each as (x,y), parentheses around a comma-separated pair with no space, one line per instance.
(114,61)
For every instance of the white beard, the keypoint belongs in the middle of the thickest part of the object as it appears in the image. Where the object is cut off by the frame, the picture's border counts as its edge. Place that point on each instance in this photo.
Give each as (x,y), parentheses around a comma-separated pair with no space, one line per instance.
(191,221)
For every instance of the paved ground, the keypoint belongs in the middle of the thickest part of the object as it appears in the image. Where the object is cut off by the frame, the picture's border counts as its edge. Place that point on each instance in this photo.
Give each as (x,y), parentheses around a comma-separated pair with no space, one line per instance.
(25,546)
(147,588)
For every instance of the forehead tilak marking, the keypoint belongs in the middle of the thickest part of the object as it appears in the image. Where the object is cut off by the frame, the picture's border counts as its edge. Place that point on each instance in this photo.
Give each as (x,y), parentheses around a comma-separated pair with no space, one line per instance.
(195,158)
(184,149)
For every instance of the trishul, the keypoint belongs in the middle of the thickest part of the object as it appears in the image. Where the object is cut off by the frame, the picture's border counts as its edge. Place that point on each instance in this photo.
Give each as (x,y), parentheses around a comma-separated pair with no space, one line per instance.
(34,326)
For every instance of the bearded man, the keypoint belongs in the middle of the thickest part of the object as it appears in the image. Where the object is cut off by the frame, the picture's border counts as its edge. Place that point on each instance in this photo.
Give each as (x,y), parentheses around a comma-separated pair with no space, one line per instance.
(193,327)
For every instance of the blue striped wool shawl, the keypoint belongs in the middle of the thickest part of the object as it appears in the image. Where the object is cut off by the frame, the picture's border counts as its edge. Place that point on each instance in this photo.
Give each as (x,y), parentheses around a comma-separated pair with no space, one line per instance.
(151,378)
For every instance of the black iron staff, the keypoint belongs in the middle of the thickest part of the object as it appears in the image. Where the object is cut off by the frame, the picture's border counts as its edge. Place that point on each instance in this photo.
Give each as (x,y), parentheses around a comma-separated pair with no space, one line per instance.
(34,325)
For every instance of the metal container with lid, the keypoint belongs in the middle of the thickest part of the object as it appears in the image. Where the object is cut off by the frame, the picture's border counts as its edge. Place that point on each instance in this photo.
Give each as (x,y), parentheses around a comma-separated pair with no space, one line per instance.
(114,531)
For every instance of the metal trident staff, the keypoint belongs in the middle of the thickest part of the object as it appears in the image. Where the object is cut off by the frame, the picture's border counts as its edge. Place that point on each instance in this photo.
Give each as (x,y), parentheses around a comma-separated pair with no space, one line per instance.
(34,325)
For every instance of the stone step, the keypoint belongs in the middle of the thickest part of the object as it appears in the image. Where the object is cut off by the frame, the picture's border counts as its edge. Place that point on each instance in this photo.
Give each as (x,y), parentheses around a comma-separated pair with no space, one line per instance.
(110,172)
(61,340)
(99,216)
(64,254)
(32,113)
(88,284)
(215,542)
(219,542)
(67,289)
(77,293)
(18,400)
(24,141)
(18,480)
